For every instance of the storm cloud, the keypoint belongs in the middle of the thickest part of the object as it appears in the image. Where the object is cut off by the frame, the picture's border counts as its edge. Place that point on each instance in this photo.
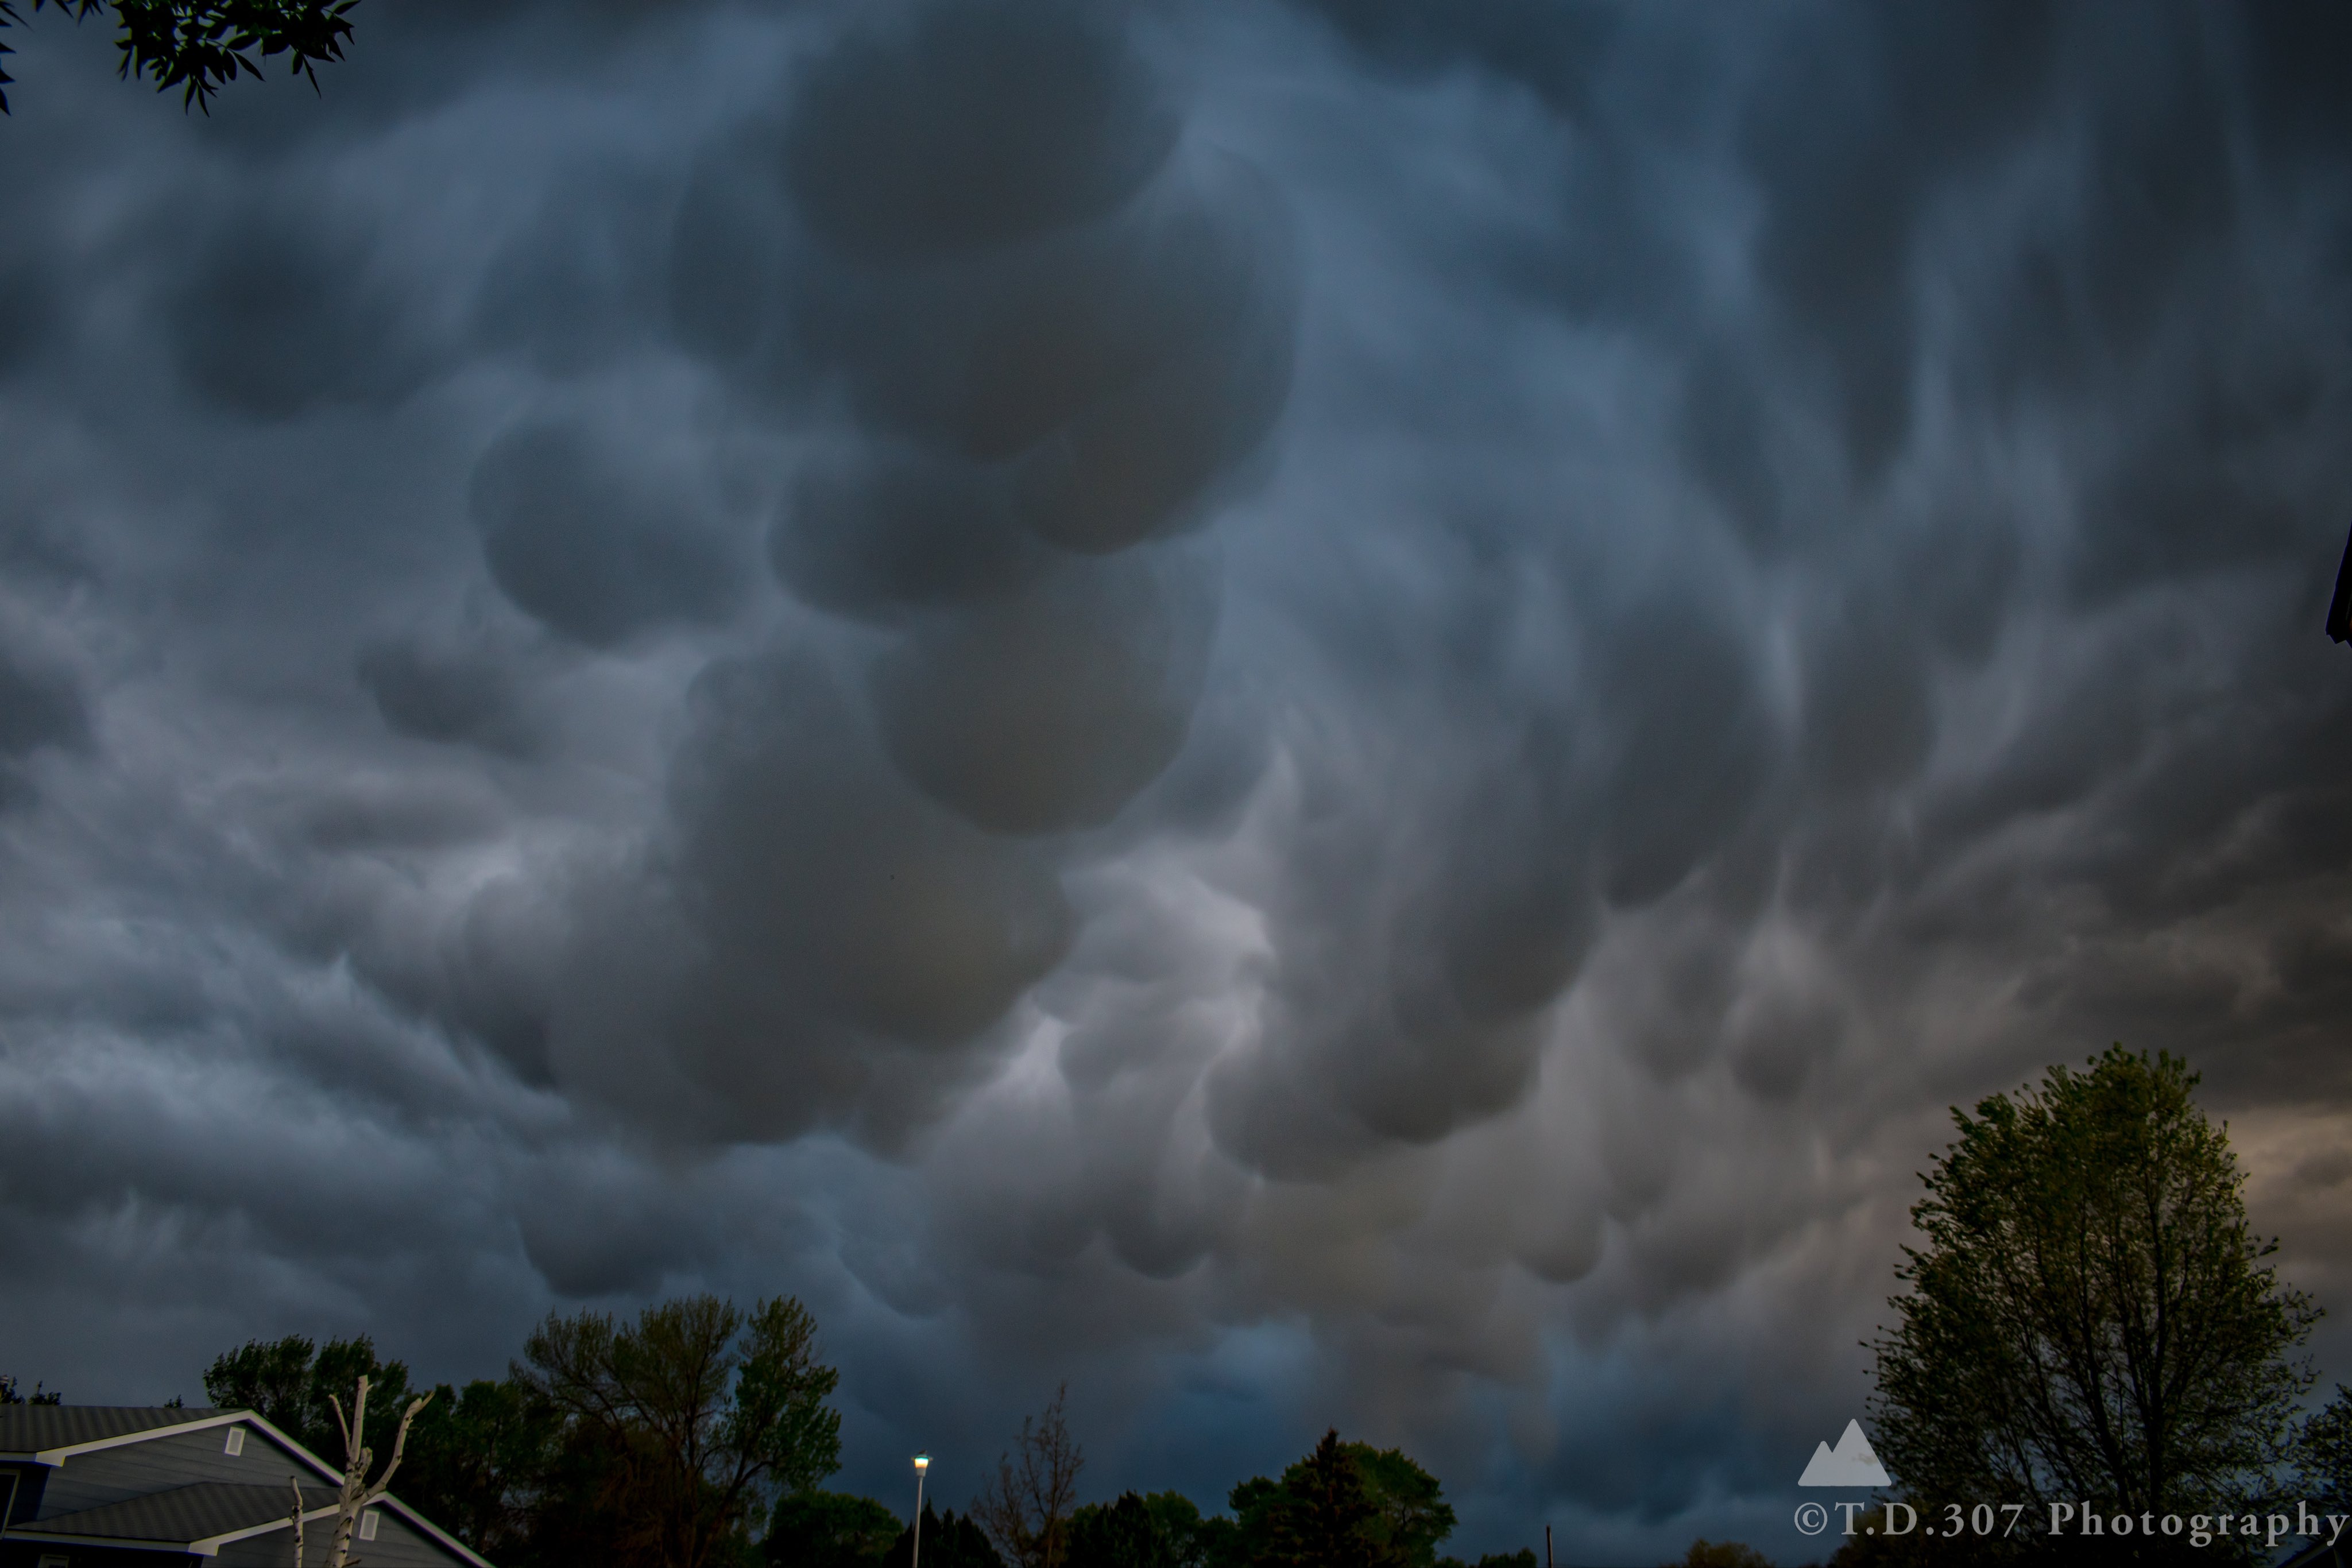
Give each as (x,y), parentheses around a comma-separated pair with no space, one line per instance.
(1316,713)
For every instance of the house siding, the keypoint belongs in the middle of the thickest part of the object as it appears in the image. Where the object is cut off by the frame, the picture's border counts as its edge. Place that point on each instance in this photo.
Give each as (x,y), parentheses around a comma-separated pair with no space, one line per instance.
(177,1459)
(31,1479)
(396,1546)
(135,1469)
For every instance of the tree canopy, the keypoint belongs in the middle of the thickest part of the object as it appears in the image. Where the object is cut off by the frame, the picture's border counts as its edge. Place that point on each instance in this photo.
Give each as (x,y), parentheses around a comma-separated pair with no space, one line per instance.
(292,1383)
(949,1540)
(202,46)
(704,1413)
(9,1393)
(1162,1530)
(2090,1317)
(1342,1504)
(2324,1455)
(667,1442)
(830,1530)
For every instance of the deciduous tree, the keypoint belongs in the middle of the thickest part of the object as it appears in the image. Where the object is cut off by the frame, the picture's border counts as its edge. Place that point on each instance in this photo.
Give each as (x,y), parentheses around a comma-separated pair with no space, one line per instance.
(829,1530)
(2090,1318)
(1410,1513)
(1131,1532)
(202,46)
(712,1412)
(357,1492)
(1026,1506)
(292,1383)
(40,1396)
(480,1461)
(2324,1455)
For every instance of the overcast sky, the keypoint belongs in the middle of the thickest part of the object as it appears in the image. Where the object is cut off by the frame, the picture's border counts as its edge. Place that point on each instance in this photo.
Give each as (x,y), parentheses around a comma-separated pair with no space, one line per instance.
(1334,713)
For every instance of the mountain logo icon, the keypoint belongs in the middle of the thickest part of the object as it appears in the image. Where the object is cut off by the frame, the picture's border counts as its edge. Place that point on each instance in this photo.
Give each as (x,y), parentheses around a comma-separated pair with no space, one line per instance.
(1850,1464)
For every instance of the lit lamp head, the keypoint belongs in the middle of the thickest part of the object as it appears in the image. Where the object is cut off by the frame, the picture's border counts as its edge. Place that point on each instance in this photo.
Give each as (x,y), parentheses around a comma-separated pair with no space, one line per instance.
(922,1463)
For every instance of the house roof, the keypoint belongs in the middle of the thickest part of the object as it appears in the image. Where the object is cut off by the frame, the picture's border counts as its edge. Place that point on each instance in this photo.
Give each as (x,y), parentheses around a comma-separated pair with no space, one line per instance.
(52,1434)
(29,1430)
(184,1516)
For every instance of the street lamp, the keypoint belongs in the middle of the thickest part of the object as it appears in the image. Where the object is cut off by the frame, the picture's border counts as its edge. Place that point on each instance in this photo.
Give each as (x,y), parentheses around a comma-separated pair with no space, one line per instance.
(922,1463)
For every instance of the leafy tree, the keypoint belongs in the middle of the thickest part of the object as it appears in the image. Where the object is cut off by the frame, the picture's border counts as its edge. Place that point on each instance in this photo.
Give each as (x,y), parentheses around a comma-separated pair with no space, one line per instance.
(8,1395)
(581,1510)
(1115,1535)
(272,1379)
(1410,1514)
(705,1414)
(830,1530)
(480,1461)
(1344,1502)
(1177,1521)
(1228,1542)
(949,1542)
(202,46)
(2324,1455)
(1026,1506)
(1162,1530)
(292,1383)
(2090,1318)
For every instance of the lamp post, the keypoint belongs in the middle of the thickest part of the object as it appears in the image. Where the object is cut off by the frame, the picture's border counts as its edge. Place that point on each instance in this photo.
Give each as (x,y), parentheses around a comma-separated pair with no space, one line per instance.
(922,1464)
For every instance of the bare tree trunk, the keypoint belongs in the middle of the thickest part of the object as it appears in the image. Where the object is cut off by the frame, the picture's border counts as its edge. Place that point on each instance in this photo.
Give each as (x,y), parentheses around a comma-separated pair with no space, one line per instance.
(1026,1508)
(357,1494)
(296,1487)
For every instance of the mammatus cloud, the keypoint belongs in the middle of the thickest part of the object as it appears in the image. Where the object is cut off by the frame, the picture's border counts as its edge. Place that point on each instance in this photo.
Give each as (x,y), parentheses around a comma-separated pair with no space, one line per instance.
(1313,713)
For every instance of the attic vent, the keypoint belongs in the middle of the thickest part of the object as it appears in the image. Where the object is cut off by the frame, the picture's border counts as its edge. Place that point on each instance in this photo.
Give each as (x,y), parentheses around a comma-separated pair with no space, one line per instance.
(367,1525)
(235,1443)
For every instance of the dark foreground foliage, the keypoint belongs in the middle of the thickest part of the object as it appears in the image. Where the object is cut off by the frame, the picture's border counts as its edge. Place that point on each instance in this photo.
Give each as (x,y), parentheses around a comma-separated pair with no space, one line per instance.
(202,46)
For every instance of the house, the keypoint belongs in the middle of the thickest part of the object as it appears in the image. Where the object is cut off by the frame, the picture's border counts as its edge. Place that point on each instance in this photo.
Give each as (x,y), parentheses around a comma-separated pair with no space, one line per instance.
(94,1486)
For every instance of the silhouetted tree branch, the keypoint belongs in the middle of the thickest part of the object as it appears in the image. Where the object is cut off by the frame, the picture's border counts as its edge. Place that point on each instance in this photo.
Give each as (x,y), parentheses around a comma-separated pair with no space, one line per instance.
(202,46)
(1026,1508)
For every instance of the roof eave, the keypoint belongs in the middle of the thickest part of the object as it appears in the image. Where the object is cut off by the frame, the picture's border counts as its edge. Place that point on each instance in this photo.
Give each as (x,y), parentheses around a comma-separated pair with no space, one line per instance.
(210,1545)
(58,1456)
(409,1516)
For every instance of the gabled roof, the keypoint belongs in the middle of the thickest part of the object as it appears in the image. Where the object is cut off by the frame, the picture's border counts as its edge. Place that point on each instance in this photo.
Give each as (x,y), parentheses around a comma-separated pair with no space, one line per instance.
(200,1518)
(52,1434)
(26,1430)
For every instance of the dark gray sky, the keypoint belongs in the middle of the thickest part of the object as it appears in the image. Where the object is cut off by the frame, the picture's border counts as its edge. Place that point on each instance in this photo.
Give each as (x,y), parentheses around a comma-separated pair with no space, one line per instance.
(1345,712)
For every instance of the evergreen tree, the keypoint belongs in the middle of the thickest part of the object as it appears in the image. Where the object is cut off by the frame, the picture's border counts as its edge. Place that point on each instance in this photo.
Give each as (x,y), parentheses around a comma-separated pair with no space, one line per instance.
(830,1530)
(949,1540)
(1121,1534)
(1322,1517)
